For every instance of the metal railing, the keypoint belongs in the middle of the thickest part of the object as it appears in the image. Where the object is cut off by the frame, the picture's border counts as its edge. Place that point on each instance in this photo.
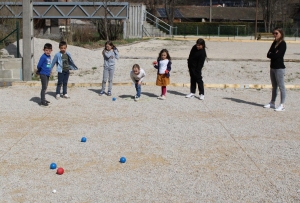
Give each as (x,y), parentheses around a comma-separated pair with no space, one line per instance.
(17,31)
(158,23)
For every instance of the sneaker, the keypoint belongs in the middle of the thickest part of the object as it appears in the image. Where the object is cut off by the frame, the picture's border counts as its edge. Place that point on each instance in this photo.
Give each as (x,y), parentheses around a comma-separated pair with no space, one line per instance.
(66,96)
(201,97)
(269,106)
(47,101)
(109,93)
(163,97)
(159,97)
(136,98)
(57,96)
(190,95)
(101,93)
(44,104)
(280,108)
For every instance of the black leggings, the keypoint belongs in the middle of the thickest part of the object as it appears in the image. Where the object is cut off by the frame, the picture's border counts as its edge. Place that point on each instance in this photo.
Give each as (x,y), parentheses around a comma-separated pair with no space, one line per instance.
(196,77)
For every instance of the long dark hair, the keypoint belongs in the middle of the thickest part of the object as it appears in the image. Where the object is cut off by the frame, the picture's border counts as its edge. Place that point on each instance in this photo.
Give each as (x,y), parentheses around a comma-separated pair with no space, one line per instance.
(201,41)
(280,30)
(110,44)
(162,51)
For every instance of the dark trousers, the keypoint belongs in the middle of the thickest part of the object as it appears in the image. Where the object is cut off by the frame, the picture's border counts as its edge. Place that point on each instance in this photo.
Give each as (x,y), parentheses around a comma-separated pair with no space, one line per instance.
(196,78)
(62,78)
(44,81)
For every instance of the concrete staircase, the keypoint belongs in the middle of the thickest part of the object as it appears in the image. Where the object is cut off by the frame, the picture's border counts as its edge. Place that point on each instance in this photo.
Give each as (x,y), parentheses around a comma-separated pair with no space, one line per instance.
(150,30)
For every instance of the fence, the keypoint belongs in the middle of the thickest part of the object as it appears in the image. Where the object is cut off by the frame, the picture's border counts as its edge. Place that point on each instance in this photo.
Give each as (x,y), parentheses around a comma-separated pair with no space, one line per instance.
(228,29)
(17,38)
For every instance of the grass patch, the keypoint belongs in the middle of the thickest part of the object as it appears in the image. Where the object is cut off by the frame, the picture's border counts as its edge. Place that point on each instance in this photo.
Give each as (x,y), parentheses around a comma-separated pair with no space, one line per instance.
(100,43)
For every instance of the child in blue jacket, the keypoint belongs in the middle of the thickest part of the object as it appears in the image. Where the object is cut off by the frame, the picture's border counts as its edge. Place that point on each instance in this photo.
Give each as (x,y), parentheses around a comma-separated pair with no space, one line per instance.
(64,64)
(44,70)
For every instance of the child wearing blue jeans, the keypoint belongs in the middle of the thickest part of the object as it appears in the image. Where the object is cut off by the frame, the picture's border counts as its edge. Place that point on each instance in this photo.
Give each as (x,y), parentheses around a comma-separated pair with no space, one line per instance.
(137,75)
(64,64)
(44,70)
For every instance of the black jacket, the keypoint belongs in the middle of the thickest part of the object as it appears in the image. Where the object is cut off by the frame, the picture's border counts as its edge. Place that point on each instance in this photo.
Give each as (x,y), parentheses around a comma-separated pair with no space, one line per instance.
(196,58)
(276,55)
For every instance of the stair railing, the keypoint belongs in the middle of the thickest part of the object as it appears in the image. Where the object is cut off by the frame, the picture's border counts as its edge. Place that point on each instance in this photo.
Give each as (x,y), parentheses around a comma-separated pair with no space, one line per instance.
(158,22)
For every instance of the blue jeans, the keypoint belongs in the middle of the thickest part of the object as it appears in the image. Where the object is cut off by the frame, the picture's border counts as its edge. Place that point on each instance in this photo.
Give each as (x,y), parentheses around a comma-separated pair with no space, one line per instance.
(138,89)
(63,78)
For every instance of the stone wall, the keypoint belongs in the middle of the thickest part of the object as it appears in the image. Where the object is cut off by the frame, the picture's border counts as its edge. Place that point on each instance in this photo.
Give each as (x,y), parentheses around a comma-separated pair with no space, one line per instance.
(10,69)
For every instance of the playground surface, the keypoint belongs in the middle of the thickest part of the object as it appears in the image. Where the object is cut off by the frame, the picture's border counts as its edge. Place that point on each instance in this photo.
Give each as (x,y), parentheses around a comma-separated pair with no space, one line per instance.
(227,148)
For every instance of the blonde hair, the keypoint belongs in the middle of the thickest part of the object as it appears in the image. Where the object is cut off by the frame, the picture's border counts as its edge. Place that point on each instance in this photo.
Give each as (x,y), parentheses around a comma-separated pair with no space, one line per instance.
(136,66)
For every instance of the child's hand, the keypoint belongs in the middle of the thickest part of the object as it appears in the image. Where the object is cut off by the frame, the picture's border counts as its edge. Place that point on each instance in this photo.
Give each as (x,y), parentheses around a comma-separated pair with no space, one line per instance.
(166,71)
(154,62)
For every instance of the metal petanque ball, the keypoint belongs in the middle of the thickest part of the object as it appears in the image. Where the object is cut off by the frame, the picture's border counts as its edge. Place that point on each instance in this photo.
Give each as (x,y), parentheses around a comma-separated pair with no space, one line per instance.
(122,159)
(60,171)
(114,98)
(53,166)
(83,139)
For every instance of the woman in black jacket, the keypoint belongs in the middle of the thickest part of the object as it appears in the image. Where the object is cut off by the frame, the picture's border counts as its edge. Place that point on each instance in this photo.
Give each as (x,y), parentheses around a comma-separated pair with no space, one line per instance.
(195,64)
(277,69)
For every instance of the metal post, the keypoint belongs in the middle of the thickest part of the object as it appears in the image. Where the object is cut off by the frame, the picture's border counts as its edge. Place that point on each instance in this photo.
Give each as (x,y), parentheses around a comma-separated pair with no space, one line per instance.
(18,39)
(256,19)
(27,40)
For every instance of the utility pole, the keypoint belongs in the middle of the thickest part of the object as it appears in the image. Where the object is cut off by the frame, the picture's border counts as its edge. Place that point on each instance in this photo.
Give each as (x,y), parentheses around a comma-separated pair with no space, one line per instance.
(256,19)
(27,40)
(210,10)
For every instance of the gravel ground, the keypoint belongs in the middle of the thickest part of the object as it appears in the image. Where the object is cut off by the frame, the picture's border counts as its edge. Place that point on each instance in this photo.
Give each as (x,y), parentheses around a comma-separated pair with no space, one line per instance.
(228,62)
(226,148)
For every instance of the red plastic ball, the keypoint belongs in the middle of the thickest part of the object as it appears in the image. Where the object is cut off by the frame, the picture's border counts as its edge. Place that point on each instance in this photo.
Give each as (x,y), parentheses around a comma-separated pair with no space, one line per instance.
(60,171)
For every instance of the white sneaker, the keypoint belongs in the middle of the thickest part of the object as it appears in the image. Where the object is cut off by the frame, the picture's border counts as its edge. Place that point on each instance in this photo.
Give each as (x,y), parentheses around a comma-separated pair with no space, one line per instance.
(201,97)
(66,96)
(280,108)
(163,97)
(57,96)
(136,98)
(190,95)
(269,106)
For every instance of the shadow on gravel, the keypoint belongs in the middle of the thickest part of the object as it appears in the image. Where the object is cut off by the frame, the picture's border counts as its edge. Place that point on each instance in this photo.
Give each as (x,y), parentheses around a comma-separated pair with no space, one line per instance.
(35,99)
(176,93)
(242,101)
(97,91)
(149,94)
(53,94)
(126,96)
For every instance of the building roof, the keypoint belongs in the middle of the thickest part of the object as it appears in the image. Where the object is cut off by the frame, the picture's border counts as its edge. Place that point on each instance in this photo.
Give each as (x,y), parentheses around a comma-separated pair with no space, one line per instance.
(221,13)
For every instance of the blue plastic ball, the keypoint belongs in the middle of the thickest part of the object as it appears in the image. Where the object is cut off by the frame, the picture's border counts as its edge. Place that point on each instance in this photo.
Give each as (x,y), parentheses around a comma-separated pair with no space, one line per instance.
(53,166)
(83,139)
(122,159)
(114,98)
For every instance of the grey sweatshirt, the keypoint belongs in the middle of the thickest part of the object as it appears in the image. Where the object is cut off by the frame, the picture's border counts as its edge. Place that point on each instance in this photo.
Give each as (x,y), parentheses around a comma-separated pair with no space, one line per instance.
(139,77)
(110,58)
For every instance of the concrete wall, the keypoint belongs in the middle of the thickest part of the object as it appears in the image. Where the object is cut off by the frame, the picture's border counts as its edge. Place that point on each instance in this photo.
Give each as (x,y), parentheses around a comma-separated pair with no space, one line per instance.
(10,69)
(135,22)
